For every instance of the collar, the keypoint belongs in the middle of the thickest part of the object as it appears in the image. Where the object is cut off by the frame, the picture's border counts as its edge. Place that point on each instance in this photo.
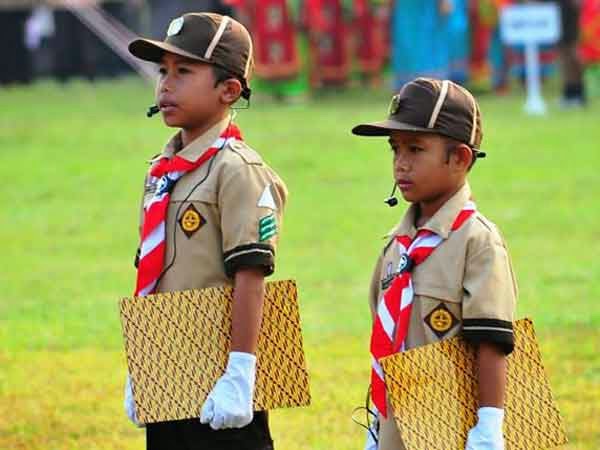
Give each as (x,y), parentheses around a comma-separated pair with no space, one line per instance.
(442,220)
(198,146)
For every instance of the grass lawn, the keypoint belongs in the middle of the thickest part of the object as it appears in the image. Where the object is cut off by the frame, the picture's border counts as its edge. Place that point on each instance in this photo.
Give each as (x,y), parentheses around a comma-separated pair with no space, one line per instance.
(72,163)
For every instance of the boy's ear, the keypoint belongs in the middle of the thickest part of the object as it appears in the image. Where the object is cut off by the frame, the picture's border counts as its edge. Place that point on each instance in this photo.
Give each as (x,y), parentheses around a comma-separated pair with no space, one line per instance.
(463,157)
(231,90)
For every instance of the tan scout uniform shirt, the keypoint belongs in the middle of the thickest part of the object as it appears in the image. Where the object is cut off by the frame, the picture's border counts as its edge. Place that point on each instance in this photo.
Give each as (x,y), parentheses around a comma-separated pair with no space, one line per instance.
(223,216)
(466,286)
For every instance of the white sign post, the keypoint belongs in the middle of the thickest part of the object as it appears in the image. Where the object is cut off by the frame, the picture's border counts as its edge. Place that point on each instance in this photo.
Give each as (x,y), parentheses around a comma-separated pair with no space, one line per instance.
(531,25)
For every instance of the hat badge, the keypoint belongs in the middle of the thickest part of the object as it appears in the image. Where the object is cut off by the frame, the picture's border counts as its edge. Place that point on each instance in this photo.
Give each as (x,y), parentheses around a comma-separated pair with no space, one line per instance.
(175,26)
(394,105)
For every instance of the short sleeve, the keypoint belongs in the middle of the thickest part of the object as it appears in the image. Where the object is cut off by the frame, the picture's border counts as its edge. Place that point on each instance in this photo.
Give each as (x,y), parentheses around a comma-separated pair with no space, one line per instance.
(251,203)
(490,294)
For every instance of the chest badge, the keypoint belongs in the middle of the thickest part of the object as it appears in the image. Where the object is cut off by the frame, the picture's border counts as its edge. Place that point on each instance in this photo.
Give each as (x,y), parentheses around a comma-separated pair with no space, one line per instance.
(389,276)
(175,26)
(191,221)
(441,320)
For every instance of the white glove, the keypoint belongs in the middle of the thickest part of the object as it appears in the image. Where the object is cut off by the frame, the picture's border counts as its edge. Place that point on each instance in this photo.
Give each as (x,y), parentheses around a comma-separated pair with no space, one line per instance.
(371,443)
(487,434)
(129,403)
(229,404)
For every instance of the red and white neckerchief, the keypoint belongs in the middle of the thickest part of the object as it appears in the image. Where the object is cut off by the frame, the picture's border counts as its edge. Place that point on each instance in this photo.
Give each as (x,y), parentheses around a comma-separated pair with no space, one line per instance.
(166,172)
(393,313)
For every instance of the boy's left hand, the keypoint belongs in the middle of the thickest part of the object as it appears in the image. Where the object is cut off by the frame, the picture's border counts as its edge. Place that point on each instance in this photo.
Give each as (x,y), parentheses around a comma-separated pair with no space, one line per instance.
(487,434)
(229,404)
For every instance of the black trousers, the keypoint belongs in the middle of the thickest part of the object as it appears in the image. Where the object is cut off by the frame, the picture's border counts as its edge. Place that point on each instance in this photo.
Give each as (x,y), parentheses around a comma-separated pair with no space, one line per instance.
(190,434)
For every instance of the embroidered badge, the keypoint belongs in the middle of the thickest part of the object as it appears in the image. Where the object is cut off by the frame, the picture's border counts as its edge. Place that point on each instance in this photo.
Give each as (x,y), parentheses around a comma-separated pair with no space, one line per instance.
(175,26)
(267,227)
(151,185)
(389,276)
(191,221)
(441,320)
(394,105)
(266,199)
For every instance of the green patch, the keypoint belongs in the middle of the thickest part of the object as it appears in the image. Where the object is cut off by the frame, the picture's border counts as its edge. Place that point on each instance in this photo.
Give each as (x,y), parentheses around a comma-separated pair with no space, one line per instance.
(267,227)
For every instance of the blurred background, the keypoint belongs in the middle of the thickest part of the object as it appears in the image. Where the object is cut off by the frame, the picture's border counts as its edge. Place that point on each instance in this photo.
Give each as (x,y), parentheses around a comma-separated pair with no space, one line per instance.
(74,143)
(307,45)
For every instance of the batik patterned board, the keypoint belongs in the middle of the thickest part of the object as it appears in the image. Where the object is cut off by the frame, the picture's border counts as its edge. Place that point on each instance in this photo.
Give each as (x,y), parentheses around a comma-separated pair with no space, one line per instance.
(177,345)
(433,391)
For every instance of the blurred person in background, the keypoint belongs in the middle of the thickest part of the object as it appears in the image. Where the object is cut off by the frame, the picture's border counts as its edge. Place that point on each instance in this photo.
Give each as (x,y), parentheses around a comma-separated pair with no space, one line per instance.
(16,67)
(489,57)
(483,17)
(573,90)
(369,25)
(458,40)
(279,46)
(39,31)
(589,46)
(329,55)
(429,38)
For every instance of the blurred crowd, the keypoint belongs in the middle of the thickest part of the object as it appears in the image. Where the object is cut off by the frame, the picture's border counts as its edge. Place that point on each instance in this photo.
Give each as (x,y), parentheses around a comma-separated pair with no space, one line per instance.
(302,45)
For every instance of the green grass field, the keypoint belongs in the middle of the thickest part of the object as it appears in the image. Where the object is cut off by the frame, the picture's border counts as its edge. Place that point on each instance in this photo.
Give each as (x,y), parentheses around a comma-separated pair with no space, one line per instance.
(71,166)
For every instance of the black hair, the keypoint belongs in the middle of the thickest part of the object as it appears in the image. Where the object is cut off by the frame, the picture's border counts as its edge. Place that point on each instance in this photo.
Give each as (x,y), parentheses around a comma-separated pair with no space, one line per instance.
(222,74)
(452,144)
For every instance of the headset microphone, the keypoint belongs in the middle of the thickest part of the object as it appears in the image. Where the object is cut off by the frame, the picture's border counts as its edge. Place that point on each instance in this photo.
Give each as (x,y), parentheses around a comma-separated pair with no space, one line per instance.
(392,200)
(152,110)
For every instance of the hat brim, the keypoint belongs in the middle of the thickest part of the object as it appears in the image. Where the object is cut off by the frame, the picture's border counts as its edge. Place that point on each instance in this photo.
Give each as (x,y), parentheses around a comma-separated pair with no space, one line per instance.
(153,51)
(386,127)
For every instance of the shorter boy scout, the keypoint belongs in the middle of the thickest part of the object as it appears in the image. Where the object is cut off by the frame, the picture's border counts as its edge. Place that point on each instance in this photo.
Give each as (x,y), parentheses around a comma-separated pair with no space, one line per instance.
(445,269)
(211,216)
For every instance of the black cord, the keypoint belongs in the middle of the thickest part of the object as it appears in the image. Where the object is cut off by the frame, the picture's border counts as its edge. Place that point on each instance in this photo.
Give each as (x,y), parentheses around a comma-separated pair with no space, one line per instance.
(368,414)
(177,218)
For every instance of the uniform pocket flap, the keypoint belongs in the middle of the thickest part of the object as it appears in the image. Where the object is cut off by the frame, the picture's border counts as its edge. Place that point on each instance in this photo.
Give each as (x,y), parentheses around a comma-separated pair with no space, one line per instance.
(198,195)
(441,293)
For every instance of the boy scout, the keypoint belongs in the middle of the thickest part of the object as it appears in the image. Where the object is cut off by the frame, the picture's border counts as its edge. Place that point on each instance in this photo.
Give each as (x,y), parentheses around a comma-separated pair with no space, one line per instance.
(445,270)
(212,211)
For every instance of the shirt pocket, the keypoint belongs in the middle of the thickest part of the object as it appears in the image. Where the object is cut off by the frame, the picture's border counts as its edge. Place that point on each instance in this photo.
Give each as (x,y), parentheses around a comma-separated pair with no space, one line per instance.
(198,195)
(195,211)
(440,310)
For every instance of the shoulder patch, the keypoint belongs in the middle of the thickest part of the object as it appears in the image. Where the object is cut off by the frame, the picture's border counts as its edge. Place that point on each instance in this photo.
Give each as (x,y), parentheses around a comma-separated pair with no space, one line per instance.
(248,155)
(266,200)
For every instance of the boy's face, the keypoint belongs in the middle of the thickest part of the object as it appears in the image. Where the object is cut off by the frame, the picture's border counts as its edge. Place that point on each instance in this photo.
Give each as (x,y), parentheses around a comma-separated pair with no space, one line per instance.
(186,93)
(423,169)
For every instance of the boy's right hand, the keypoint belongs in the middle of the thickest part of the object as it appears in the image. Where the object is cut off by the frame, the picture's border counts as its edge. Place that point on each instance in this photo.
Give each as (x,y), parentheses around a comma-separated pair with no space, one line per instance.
(229,404)
(487,434)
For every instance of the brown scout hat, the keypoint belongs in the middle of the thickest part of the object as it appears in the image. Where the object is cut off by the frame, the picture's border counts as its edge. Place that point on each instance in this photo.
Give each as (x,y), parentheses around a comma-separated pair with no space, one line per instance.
(431,106)
(207,37)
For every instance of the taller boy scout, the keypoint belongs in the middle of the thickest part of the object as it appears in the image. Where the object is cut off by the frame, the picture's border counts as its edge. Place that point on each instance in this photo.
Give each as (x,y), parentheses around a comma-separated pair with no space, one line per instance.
(212,212)
(445,269)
